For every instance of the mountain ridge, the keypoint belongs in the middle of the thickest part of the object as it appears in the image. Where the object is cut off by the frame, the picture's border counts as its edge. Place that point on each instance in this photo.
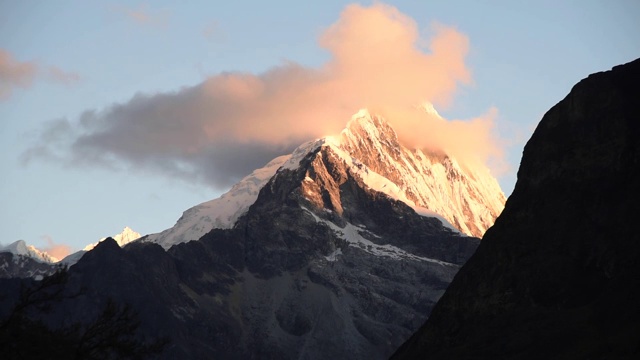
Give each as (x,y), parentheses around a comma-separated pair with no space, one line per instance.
(556,277)
(20,259)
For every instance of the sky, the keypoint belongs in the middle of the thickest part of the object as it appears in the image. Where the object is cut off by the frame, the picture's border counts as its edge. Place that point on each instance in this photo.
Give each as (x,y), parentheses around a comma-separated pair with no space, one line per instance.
(117,114)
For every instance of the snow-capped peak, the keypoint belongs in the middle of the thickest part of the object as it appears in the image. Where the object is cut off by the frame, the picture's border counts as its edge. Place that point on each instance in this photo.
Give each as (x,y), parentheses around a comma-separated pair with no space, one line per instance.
(362,113)
(126,236)
(364,128)
(20,247)
(470,199)
(433,184)
(428,108)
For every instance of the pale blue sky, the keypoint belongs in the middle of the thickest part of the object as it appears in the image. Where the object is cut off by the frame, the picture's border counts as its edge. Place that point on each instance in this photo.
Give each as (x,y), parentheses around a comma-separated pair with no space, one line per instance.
(523,59)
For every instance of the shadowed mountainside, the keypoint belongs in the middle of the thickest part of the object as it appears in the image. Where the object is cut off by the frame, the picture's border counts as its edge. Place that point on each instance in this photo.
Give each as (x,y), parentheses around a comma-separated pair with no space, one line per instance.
(557,276)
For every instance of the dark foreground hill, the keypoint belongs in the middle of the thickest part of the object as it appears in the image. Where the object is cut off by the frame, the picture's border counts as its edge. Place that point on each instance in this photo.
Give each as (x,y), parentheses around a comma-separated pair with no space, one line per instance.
(558,275)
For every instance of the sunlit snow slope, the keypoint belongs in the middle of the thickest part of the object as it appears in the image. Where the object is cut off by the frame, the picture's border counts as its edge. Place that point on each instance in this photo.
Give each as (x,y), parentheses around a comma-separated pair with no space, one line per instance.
(220,213)
(468,197)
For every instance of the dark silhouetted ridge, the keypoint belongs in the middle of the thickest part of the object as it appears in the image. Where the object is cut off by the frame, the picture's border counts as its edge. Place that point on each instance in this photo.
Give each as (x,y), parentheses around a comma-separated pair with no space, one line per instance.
(558,275)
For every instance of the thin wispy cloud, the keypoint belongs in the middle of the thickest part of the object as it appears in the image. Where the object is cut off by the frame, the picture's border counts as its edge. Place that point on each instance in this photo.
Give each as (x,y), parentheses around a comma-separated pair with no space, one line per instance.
(231,123)
(56,74)
(212,31)
(17,74)
(143,15)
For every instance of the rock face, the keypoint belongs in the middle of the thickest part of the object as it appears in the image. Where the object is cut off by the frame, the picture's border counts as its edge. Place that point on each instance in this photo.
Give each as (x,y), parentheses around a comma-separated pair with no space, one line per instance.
(557,276)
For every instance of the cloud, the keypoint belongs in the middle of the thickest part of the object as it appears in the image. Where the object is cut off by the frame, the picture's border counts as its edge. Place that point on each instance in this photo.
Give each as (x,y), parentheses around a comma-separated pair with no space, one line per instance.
(221,129)
(58,251)
(142,15)
(14,73)
(55,74)
(212,32)
(22,74)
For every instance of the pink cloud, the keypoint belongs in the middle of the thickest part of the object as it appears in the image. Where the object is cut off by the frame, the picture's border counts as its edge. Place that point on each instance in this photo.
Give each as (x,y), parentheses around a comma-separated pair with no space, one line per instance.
(377,63)
(212,31)
(14,73)
(22,74)
(58,75)
(59,251)
(144,16)
(223,128)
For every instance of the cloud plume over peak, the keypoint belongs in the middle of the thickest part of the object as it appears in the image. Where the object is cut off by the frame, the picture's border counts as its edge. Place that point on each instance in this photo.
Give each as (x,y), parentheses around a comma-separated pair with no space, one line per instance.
(231,123)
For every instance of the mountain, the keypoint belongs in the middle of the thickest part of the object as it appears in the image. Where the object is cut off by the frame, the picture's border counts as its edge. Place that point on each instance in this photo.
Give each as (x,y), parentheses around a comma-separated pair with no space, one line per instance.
(21,248)
(126,236)
(468,198)
(557,276)
(19,260)
(22,260)
(315,256)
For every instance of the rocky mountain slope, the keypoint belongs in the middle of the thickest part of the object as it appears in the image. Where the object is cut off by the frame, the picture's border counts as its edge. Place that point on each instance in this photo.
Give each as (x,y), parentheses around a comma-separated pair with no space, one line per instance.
(557,276)
(326,258)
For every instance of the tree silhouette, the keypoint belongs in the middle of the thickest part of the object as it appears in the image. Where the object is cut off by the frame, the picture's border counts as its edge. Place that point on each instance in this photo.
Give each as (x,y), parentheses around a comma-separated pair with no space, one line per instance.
(111,335)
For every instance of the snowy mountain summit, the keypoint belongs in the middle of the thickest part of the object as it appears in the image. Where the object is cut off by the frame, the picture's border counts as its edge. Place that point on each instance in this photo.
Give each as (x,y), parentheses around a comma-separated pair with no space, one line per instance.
(126,236)
(21,248)
(467,197)
(434,184)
